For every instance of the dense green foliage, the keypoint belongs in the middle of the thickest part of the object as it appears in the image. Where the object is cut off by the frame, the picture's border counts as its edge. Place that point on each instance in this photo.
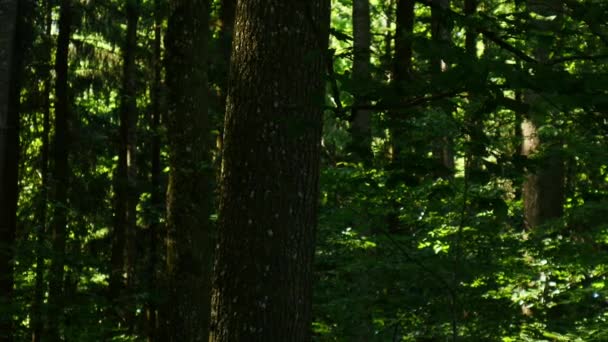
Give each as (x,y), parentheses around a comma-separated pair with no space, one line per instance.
(402,254)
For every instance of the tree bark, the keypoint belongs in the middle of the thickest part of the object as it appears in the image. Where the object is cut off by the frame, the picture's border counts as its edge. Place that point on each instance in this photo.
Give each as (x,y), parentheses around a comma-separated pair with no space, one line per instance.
(9,147)
(402,69)
(543,188)
(443,150)
(189,244)
(154,329)
(270,172)
(41,230)
(123,239)
(60,174)
(361,130)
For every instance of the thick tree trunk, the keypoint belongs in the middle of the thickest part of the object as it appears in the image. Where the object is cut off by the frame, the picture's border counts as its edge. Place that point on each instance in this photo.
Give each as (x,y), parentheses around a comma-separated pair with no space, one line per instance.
(544,186)
(361,129)
(443,149)
(60,176)
(123,239)
(189,244)
(268,204)
(9,147)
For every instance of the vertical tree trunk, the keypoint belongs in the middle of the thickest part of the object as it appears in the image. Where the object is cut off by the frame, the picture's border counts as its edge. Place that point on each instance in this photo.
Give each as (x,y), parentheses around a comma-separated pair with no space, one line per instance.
(189,244)
(401,74)
(227,11)
(474,119)
(9,145)
(41,230)
(152,314)
(402,68)
(543,188)
(268,204)
(361,130)
(60,175)
(443,150)
(123,244)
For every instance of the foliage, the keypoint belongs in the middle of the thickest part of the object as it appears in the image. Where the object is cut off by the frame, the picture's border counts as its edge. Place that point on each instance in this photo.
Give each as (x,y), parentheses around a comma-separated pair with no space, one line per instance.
(401,255)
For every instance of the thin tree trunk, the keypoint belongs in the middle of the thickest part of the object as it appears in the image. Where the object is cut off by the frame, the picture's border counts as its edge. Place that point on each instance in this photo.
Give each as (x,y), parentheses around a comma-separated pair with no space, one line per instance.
(123,244)
(189,244)
(361,130)
(443,150)
(152,314)
(270,172)
(227,11)
(60,176)
(9,146)
(37,319)
(474,119)
(401,75)
(402,68)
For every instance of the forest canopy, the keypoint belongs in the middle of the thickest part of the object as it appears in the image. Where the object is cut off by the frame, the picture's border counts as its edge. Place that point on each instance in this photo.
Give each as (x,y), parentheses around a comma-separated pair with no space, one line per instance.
(320,170)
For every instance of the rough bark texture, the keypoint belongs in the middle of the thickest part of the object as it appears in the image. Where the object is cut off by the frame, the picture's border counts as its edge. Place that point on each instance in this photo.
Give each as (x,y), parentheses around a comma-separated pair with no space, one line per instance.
(544,187)
(361,129)
(9,146)
(443,150)
(60,174)
(268,204)
(189,246)
(123,239)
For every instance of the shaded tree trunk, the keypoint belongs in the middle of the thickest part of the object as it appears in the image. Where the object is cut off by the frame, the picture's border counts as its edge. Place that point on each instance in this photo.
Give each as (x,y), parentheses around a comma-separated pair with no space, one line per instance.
(154,331)
(189,244)
(60,174)
(402,68)
(401,75)
(361,129)
(475,149)
(9,147)
(543,188)
(41,230)
(270,172)
(227,11)
(443,150)
(123,239)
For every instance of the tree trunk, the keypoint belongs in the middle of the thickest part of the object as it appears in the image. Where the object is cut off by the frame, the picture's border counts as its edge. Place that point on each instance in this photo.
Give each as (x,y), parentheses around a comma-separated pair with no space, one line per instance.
(227,11)
(270,172)
(154,250)
(402,68)
(123,240)
(543,188)
(41,230)
(9,147)
(60,175)
(361,130)
(474,118)
(443,150)
(189,244)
